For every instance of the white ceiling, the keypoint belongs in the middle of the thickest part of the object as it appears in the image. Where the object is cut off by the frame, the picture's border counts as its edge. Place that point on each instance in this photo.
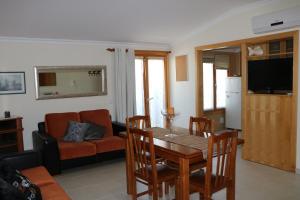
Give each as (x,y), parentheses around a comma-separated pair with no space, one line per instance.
(157,21)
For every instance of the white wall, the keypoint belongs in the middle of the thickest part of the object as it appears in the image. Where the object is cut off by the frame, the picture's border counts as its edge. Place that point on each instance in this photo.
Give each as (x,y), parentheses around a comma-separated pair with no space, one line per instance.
(23,55)
(234,25)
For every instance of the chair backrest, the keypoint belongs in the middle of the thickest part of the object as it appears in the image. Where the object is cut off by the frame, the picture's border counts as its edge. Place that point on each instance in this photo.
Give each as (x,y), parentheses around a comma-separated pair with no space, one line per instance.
(138,121)
(200,126)
(221,150)
(142,154)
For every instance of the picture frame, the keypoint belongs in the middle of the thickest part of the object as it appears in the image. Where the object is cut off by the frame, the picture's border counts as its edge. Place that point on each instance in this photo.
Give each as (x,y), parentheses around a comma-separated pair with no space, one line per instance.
(12,83)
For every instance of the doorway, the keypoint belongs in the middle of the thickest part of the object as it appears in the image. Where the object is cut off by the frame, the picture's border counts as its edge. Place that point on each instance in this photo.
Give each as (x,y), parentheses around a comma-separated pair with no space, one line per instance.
(221,73)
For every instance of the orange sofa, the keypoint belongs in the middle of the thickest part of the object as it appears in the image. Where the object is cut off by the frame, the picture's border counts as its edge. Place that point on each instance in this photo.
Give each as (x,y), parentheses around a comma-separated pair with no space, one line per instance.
(29,164)
(71,153)
(50,189)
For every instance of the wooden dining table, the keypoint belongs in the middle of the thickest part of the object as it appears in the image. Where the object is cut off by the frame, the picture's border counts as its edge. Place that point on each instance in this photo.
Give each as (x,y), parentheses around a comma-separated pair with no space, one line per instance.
(183,155)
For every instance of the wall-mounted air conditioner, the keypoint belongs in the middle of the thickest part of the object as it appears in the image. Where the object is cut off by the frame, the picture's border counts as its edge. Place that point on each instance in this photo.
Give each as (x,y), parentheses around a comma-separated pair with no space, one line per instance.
(283,19)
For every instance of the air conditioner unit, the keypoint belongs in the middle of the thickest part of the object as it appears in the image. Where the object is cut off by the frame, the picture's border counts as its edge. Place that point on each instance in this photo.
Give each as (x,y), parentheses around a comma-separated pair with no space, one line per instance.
(283,19)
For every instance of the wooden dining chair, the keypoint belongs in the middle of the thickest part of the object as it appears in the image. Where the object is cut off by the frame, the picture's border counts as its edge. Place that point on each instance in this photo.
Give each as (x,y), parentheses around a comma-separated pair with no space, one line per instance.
(141,122)
(200,126)
(144,167)
(138,121)
(220,169)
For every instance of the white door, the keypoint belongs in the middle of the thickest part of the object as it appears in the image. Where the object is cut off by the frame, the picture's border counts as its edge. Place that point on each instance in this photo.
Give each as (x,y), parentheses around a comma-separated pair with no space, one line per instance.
(233,84)
(233,103)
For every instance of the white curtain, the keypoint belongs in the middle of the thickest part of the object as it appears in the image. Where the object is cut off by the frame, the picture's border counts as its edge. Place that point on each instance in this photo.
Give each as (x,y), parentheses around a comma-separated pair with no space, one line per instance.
(124,83)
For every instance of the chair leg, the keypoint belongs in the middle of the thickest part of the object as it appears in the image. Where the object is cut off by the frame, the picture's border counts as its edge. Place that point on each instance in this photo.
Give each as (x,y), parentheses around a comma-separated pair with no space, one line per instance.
(150,189)
(155,193)
(230,190)
(167,185)
(177,190)
(160,190)
(207,197)
(201,196)
(134,190)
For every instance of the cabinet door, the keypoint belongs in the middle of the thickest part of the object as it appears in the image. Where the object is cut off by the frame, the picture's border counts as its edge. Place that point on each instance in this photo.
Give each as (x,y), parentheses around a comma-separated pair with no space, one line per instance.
(268,131)
(235,65)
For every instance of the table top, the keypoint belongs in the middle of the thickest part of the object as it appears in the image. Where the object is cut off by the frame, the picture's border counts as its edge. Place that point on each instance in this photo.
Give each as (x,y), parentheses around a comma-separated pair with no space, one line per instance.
(174,150)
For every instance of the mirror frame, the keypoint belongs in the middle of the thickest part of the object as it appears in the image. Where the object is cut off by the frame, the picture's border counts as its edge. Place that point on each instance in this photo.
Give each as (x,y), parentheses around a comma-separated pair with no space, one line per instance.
(38,69)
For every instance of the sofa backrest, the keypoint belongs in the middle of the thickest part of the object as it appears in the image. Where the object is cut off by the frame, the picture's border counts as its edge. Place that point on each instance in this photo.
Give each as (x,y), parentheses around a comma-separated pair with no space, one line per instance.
(57,123)
(100,117)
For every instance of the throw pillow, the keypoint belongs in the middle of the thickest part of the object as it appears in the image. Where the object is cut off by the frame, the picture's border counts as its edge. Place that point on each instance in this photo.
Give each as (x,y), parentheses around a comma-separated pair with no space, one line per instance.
(94,132)
(75,131)
(8,192)
(20,182)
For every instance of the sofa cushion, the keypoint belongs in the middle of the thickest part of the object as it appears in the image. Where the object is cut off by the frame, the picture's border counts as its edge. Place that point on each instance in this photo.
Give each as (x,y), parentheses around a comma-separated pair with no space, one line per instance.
(100,117)
(76,131)
(107,144)
(70,150)
(38,175)
(57,123)
(94,132)
(53,192)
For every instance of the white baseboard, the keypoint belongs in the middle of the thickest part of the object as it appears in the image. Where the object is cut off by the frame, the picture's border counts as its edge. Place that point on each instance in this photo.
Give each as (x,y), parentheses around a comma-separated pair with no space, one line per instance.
(297,171)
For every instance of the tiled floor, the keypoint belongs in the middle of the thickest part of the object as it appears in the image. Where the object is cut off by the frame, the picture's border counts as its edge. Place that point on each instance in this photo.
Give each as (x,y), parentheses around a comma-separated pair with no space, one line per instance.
(107,181)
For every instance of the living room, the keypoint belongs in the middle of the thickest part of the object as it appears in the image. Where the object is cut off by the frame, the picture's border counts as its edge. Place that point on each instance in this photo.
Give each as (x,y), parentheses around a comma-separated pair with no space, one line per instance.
(21,51)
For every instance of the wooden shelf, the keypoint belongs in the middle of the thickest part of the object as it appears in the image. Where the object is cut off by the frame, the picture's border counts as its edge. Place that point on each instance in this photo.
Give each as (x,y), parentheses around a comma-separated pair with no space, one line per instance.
(8,131)
(267,56)
(11,135)
(274,95)
(2,146)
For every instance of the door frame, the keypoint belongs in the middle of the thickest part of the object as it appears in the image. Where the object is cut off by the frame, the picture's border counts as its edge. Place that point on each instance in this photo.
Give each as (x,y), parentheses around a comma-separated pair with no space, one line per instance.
(199,70)
(145,54)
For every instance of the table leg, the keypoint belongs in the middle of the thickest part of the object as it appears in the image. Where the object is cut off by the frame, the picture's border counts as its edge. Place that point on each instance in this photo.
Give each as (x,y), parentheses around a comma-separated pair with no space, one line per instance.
(129,174)
(231,191)
(184,179)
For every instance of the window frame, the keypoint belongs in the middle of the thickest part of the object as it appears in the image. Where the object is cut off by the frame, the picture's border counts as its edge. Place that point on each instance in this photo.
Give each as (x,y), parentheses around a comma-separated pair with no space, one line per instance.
(145,55)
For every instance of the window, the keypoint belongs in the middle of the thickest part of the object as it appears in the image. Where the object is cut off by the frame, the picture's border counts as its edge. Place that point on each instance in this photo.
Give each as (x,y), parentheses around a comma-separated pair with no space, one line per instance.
(214,87)
(221,75)
(208,86)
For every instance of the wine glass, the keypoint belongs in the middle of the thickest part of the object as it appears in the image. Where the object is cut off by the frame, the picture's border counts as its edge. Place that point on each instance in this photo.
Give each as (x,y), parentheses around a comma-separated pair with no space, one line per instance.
(170,115)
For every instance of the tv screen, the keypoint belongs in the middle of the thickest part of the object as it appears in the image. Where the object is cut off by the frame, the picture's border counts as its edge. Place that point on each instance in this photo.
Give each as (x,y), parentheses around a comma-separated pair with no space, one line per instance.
(270,76)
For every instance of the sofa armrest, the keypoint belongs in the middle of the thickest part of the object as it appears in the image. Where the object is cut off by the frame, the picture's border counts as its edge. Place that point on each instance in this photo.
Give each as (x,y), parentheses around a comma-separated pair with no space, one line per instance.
(118,127)
(48,148)
(24,160)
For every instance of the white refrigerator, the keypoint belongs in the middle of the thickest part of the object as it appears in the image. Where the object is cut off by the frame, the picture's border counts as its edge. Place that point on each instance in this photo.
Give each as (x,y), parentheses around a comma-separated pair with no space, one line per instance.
(233,109)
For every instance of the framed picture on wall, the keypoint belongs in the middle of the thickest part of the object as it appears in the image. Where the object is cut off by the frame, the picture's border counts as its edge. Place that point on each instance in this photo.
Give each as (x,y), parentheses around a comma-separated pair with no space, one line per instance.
(12,83)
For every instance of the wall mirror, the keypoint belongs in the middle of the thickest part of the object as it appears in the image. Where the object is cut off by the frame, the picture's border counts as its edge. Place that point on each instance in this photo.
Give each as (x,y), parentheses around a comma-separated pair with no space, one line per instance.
(70,81)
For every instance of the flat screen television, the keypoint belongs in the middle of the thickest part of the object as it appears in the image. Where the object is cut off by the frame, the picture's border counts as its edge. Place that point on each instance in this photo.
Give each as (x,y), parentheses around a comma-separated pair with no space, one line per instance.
(271,76)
